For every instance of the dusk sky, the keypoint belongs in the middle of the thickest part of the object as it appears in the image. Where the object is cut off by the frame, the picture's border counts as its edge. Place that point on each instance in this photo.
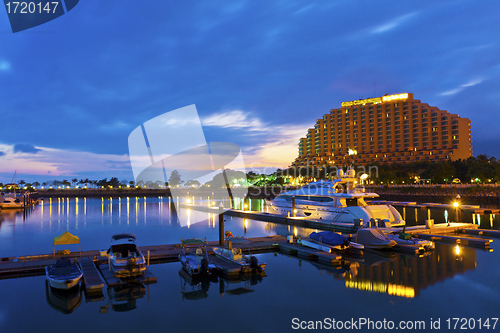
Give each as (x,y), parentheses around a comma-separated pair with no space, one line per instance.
(259,72)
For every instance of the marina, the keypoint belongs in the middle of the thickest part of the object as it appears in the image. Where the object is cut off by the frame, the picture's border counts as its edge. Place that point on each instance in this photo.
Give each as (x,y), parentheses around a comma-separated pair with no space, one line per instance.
(403,272)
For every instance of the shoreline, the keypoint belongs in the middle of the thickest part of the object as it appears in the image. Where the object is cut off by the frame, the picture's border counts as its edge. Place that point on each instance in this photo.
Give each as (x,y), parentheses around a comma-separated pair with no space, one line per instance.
(425,194)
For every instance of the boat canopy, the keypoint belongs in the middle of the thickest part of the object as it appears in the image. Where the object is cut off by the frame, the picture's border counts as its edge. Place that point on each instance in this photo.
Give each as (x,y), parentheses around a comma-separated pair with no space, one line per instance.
(66,238)
(193,241)
(122,236)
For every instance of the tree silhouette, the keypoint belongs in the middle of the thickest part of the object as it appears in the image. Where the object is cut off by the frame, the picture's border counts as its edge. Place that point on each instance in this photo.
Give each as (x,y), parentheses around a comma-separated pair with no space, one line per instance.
(175,178)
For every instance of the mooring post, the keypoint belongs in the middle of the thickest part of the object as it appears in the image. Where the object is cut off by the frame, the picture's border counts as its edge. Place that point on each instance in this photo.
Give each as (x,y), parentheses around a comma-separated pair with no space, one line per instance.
(221,225)
(293,205)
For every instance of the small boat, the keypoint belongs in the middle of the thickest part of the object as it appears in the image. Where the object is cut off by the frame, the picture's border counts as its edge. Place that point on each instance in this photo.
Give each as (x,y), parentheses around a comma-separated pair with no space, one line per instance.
(330,238)
(125,258)
(10,202)
(234,255)
(195,260)
(373,238)
(64,274)
(426,244)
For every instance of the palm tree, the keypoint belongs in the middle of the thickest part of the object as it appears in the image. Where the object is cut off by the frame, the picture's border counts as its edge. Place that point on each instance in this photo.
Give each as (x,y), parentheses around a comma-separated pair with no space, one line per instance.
(36,184)
(74,181)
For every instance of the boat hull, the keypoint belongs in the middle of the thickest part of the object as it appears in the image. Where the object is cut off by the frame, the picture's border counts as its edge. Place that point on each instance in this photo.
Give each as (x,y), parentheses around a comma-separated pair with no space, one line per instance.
(63,285)
(337,215)
(64,282)
(124,271)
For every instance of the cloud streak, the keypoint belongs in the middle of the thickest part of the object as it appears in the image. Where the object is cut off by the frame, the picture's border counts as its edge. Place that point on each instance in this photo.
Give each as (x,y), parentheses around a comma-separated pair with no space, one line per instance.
(392,24)
(471,83)
(62,163)
(278,145)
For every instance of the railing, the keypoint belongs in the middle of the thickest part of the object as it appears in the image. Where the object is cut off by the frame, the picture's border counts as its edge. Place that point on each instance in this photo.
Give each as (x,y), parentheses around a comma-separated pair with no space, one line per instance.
(436,185)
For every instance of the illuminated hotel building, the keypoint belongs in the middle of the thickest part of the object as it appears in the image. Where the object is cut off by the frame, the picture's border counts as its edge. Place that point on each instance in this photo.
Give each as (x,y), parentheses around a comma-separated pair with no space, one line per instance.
(387,129)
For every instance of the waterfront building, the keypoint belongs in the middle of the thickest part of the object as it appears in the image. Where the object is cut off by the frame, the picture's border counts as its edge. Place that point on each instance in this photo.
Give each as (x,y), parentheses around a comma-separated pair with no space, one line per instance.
(387,129)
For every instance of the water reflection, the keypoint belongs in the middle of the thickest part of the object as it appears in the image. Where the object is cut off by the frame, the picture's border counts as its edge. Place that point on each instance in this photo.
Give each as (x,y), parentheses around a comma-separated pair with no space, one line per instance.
(400,275)
(196,288)
(64,301)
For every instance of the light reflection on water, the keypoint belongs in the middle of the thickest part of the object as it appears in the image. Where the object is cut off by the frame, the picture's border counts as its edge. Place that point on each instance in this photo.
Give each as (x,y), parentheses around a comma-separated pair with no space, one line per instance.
(383,284)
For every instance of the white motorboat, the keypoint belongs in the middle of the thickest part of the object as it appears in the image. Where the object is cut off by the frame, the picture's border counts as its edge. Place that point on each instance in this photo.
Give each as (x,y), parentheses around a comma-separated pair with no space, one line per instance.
(234,255)
(125,258)
(64,274)
(341,200)
(11,202)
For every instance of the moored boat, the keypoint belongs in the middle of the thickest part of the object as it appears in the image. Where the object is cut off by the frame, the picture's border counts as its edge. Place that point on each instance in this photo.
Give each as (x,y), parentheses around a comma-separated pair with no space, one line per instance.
(11,202)
(195,259)
(125,258)
(334,240)
(64,274)
(426,244)
(234,255)
(374,238)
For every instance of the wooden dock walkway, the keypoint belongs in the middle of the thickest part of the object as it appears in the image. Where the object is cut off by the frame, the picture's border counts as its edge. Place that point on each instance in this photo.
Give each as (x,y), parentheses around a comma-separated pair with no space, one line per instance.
(228,268)
(278,219)
(466,241)
(482,232)
(91,278)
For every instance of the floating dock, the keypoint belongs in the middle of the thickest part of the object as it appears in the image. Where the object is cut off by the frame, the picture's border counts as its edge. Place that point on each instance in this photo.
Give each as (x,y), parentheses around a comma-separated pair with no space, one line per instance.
(91,278)
(311,254)
(412,204)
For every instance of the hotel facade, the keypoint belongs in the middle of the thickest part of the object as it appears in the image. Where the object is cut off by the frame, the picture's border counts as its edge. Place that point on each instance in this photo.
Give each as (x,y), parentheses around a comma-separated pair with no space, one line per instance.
(387,129)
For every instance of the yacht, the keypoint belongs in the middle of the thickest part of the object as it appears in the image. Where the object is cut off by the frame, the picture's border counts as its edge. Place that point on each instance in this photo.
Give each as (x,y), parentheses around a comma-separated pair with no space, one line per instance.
(125,258)
(341,200)
(11,202)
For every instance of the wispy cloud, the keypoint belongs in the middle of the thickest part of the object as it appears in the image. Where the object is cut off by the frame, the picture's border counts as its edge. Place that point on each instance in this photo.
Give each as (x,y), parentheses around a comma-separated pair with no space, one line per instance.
(304,9)
(279,144)
(392,23)
(61,162)
(234,119)
(462,87)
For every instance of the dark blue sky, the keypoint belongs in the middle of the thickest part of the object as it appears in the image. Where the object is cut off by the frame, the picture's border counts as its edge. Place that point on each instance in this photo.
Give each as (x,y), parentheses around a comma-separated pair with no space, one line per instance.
(259,72)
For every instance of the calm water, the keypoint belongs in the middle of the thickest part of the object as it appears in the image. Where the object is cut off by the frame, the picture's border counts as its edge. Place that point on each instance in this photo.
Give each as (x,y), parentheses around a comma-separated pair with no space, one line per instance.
(450,282)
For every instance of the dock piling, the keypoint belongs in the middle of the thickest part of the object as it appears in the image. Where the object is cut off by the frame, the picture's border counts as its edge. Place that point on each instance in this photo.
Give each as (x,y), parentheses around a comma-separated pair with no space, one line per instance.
(221,225)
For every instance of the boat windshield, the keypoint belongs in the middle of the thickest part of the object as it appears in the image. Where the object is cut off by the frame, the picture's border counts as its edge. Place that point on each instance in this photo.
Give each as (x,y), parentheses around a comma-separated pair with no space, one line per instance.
(355,202)
(314,198)
(312,186)
(305,197)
